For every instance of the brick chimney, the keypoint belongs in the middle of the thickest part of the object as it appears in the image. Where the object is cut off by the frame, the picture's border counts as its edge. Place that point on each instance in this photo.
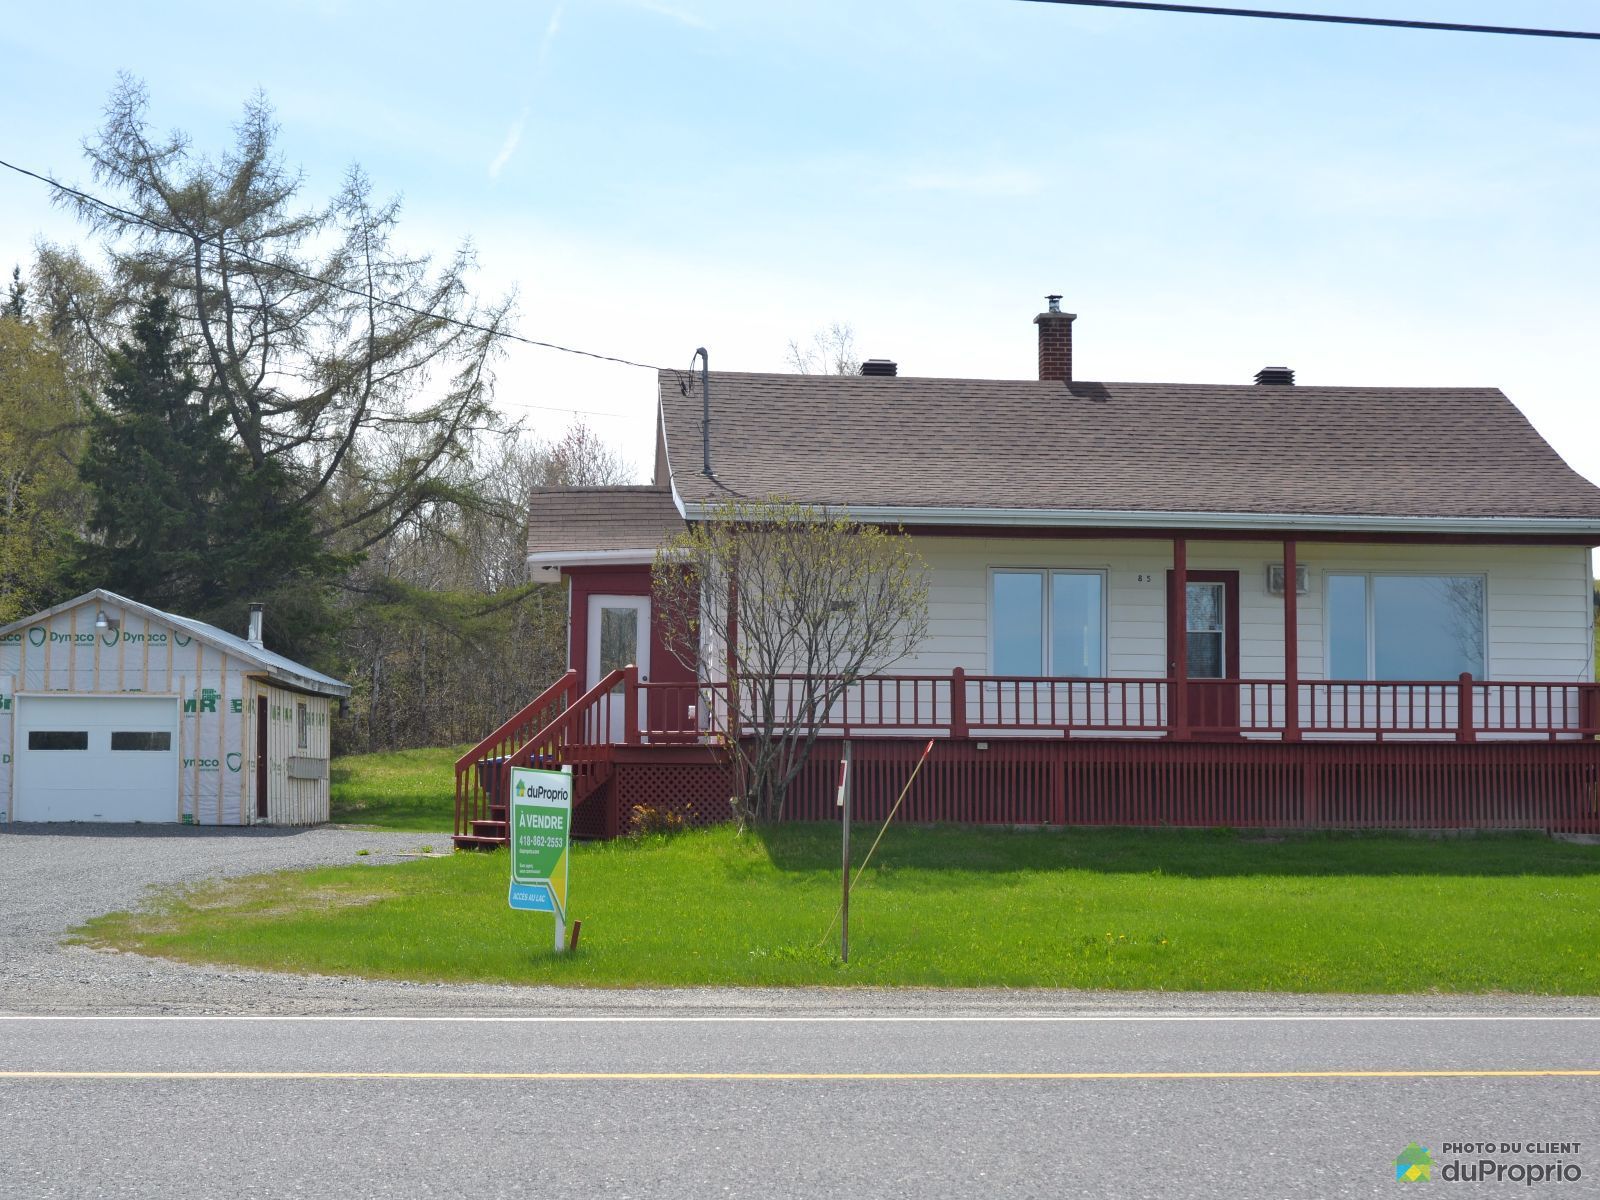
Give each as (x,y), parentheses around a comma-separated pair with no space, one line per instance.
(1055,342)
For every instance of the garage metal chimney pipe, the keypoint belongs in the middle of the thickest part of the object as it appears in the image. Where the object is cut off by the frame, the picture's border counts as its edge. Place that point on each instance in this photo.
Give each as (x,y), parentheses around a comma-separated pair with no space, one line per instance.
(254,637)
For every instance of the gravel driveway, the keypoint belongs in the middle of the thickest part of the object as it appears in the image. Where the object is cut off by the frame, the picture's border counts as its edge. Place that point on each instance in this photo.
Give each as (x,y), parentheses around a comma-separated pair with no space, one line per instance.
(54,877)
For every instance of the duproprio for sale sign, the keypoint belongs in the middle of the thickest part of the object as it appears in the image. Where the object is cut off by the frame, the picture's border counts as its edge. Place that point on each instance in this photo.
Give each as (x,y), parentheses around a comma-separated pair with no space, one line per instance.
(541,827)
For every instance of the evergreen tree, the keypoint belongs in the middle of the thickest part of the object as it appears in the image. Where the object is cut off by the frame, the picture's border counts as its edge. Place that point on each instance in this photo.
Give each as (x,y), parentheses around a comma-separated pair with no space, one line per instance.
(385,395)
(181,517)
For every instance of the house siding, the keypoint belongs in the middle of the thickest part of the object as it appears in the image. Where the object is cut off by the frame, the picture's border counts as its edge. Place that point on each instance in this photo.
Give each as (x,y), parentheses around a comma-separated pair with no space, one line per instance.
(1539,618)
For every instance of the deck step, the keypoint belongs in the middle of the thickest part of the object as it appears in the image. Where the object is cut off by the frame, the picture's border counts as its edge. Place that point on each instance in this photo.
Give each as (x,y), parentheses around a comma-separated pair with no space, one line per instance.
(489,829)
(469,841)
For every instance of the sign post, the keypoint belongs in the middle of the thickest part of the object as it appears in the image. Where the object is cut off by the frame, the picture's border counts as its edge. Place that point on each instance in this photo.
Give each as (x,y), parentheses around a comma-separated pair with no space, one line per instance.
(844,875)
(541,828)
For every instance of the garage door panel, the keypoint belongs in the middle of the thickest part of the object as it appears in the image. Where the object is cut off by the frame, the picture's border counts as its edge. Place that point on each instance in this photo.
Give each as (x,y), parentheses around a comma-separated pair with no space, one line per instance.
(96,758)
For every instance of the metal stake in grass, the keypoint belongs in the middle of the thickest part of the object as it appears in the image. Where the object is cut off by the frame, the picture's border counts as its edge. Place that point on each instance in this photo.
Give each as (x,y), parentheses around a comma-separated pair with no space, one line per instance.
(844,907)
(844,874)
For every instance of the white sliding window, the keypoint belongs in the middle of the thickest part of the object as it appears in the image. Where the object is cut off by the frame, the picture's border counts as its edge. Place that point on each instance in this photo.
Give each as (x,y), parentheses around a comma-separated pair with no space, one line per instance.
(1405,626)
(1047,623)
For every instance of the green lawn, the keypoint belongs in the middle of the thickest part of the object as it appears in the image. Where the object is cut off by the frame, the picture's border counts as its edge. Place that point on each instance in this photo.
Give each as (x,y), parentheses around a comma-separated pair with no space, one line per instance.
(398,789)
(944,907)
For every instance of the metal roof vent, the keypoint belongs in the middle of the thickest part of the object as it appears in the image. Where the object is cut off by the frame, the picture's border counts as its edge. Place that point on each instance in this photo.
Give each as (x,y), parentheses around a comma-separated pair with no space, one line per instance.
(1275,377)
(880,368)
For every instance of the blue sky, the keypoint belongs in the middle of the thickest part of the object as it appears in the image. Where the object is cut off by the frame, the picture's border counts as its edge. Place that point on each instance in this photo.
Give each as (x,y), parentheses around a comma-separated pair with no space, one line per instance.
(1210,195)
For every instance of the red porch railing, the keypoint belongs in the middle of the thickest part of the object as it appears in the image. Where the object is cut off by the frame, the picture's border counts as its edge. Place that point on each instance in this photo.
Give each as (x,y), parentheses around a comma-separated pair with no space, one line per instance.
(960,705)
(478,770)
(556,729)
(1229,754)
(561,726)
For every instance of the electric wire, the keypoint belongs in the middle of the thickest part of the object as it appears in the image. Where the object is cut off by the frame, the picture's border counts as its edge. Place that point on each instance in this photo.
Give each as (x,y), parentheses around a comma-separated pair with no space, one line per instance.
(1329,18)
(400,305)
(566,408)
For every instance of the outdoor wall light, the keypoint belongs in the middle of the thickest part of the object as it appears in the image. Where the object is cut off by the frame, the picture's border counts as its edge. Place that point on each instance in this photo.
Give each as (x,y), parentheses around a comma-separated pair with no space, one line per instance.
(101,621)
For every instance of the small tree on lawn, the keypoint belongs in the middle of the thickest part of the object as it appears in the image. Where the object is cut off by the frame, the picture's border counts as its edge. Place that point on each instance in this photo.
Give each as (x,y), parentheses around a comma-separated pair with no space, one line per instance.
(794,604)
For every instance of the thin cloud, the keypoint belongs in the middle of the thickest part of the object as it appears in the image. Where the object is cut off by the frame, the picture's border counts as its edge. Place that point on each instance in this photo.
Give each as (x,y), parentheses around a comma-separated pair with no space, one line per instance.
(673,14)
(508,148)
(550,31)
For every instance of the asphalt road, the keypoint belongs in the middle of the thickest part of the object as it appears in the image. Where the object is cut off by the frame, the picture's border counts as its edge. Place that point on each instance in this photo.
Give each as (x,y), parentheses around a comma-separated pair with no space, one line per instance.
(1180,1105)
(240,1083)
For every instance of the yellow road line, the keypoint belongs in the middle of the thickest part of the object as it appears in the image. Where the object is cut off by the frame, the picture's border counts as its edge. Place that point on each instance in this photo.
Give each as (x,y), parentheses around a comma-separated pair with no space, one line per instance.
(799,1076)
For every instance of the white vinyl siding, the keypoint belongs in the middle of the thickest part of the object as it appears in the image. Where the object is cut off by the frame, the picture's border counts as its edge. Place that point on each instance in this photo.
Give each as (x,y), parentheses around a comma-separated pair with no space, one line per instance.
(1537,601)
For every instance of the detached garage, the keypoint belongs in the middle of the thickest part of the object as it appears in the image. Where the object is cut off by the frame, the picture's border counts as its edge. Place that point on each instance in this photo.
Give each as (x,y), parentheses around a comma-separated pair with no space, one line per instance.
(111,710)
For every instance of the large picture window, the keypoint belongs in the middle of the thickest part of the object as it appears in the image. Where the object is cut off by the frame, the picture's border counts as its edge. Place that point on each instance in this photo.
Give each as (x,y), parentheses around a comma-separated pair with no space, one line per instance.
(1048,623)
(1405,626)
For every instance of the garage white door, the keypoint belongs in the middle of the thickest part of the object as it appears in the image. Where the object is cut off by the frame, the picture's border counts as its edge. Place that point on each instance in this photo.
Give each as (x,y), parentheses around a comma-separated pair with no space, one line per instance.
(96,758)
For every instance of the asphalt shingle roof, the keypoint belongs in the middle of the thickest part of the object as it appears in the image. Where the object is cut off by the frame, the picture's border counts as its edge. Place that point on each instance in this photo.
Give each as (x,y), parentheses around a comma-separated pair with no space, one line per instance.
(1179,448)
(606,518)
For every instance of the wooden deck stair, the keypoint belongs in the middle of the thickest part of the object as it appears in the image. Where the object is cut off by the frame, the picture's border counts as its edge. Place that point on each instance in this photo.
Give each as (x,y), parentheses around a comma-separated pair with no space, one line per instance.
(489,833)
(559,728)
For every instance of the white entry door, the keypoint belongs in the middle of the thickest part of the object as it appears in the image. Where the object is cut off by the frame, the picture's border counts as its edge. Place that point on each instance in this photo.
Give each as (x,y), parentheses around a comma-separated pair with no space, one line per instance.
(96,758)
(619,634)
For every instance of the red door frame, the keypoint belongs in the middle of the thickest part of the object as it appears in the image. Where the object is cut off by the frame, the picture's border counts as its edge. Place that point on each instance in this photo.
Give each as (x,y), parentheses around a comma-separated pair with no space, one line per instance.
(667,707)
(1212,711)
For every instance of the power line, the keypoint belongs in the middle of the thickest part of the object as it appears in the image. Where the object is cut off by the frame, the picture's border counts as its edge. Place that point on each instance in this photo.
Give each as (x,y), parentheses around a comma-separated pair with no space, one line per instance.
(1329,18)
(400,305)
(587,412)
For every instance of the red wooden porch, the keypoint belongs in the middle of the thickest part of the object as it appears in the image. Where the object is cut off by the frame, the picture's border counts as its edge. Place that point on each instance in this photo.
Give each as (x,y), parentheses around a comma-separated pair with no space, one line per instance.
(1269,753)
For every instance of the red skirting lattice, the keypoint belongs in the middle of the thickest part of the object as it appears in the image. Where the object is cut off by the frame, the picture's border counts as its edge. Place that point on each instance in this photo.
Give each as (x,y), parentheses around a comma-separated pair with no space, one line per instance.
(1552,786)
(694,792)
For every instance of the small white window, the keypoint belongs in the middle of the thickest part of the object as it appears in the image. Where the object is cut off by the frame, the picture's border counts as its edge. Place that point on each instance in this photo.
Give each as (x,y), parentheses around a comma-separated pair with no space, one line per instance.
(303,722)
(1048,623)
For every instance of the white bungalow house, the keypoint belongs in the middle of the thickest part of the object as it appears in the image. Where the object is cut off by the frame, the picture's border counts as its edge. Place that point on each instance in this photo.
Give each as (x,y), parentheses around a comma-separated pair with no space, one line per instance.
(1112,639)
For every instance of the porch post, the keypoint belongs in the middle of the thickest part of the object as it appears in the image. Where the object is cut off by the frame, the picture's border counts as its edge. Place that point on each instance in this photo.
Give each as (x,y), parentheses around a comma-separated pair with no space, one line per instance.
(1178,641)
(630,705)
(1464,730)
(1291,643)
(958,703)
